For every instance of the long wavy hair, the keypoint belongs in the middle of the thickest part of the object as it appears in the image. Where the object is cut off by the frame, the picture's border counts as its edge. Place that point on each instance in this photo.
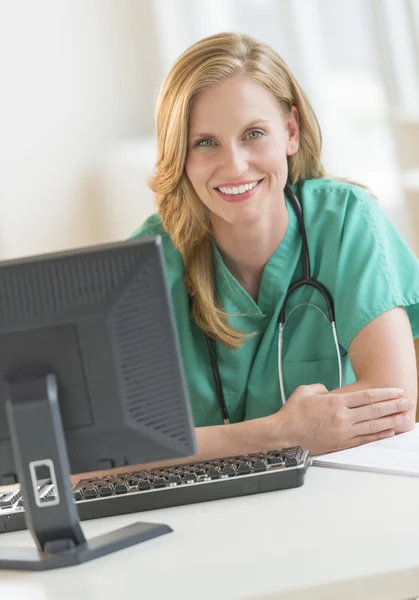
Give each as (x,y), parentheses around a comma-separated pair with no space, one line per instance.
(183,215)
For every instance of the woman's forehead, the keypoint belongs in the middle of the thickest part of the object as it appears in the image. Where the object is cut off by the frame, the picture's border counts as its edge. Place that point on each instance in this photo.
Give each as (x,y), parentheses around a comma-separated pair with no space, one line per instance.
(237,101)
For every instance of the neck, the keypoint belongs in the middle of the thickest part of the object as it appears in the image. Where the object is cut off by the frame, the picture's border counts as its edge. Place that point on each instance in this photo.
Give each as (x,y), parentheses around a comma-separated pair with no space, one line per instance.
(246,248)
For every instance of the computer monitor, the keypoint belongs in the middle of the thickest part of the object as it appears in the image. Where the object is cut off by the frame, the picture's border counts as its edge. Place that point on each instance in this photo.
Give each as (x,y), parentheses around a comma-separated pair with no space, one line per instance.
(90,378)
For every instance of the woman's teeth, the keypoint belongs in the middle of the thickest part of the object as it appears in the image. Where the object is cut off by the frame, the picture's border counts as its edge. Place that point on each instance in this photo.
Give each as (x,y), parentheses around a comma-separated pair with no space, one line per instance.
(240,189)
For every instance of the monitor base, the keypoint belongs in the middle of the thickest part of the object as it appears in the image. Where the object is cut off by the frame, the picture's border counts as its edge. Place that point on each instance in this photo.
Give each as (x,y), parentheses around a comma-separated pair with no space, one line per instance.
(68,554)
(40,451)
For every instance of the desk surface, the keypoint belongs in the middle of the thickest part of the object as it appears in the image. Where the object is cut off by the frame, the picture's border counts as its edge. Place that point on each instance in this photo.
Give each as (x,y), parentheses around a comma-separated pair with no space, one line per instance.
(344,534)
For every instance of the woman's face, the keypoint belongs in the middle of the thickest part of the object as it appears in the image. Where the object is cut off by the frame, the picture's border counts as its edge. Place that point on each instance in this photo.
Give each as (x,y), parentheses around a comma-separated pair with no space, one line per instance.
(238,145)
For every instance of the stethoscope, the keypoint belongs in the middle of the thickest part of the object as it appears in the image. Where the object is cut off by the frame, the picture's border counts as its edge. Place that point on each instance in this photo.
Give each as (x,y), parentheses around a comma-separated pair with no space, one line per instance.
(304,280)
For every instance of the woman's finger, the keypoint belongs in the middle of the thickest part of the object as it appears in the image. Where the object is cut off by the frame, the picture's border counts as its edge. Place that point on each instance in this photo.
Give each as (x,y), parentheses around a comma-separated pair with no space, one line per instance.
(367,397)
(378,425)
(380,409)
(366,439)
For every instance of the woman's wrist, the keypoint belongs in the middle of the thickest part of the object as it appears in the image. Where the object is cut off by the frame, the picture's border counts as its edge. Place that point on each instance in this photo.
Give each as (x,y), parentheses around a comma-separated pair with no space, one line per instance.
(256,435)
(276,436)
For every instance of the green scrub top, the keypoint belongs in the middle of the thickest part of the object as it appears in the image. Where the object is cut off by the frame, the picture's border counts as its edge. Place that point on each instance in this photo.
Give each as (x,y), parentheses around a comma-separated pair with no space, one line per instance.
(355,253)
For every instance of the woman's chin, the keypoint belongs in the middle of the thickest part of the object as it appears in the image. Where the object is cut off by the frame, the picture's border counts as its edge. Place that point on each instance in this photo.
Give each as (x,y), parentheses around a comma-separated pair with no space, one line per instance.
(245,217)
(238,216)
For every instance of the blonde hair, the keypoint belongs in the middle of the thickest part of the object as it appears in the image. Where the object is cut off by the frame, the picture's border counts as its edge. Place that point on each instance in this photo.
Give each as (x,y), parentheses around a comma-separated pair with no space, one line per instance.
(183,215)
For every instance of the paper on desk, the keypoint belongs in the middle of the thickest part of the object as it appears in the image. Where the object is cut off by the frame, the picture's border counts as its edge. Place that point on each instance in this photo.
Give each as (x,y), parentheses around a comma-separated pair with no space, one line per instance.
(398,455)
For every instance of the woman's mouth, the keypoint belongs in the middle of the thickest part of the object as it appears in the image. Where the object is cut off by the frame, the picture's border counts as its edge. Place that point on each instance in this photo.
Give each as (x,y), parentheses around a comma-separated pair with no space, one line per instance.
(238,193)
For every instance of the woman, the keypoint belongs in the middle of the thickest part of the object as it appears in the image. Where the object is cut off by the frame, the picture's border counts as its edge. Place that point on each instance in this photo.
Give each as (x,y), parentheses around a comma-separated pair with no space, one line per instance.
(234,127)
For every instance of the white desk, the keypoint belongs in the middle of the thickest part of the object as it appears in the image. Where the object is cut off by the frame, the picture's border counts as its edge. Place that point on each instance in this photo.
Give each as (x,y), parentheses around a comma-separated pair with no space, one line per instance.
(342,535)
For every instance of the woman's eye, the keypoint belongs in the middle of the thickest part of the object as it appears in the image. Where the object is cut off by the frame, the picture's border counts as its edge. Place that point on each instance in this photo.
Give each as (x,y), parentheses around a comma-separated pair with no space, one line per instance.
(204,143)
(254,135)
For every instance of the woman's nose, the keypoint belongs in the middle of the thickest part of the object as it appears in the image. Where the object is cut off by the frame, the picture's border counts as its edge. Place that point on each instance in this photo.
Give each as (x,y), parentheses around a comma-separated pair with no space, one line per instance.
(234,161)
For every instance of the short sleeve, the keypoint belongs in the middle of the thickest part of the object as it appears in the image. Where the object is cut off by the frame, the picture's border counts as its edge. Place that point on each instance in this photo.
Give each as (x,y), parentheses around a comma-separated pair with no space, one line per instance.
(376,270)
(152,226)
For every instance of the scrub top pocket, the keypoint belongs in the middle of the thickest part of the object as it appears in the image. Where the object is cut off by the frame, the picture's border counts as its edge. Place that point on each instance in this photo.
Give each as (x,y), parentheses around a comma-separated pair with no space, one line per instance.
(325,371)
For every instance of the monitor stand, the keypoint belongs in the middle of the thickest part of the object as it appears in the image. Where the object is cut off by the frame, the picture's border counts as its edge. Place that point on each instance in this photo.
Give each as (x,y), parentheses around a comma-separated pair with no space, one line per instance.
(36,430)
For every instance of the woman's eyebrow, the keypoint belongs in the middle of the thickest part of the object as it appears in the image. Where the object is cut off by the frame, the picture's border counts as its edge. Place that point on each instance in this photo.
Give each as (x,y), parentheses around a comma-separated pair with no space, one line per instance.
(251,124)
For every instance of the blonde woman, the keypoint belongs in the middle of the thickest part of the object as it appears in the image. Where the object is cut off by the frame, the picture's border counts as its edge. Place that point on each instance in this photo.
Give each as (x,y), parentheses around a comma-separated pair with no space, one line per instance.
(245,210)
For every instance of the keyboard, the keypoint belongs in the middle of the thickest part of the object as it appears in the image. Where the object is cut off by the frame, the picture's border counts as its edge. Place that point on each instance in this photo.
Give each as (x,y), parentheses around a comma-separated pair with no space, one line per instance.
(137,491)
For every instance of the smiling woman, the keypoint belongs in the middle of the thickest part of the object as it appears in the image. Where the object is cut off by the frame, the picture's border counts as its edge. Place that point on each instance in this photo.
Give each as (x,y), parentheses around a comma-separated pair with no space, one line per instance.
(244,208)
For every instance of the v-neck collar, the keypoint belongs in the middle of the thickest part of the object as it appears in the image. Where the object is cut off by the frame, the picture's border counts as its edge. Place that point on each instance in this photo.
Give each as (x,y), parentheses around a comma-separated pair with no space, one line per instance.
(276,276)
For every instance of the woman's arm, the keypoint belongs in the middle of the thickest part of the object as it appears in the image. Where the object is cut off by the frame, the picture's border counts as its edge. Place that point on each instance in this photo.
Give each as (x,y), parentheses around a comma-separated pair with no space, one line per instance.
(217,441)
(382,354)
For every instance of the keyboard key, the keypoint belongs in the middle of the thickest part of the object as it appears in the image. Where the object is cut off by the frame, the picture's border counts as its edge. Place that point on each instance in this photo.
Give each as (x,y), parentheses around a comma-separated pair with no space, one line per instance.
(293,456)
(90,492)
(77,495)
(133,481)
(105,490)
(275,460)
(143,484)
(259,465)
(214,473)
(244,468)
(228,471)
(290,451)
(9,499)
(121,487)
(89,480)
(48,498)
(200,473)
(159,482)
(189,478)
(174,480)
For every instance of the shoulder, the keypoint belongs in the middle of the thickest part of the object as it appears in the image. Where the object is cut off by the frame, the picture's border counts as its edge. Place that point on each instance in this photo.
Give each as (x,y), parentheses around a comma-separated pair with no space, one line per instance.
(339,205)
(334,196)
(152,226)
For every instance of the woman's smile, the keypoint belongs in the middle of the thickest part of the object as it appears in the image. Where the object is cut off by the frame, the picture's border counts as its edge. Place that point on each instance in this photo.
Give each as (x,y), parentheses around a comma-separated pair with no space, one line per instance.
(240,192)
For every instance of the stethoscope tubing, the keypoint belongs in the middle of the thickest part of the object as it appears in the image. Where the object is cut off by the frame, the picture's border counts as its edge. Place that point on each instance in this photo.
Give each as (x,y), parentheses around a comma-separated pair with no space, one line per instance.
(304,280)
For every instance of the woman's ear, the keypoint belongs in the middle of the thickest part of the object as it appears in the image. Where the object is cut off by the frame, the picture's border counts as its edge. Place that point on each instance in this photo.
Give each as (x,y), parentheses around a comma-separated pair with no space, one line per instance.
(293,131)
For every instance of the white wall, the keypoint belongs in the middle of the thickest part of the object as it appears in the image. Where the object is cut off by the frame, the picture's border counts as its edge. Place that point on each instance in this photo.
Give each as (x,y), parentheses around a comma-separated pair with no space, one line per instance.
(78,83)
(74,83)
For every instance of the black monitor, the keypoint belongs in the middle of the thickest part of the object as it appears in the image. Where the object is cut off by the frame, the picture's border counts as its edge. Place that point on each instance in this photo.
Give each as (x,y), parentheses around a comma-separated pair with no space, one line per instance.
(90,378)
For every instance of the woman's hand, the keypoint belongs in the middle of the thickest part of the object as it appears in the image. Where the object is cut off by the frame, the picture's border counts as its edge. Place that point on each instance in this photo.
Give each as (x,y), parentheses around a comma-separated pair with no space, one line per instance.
(323,421)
